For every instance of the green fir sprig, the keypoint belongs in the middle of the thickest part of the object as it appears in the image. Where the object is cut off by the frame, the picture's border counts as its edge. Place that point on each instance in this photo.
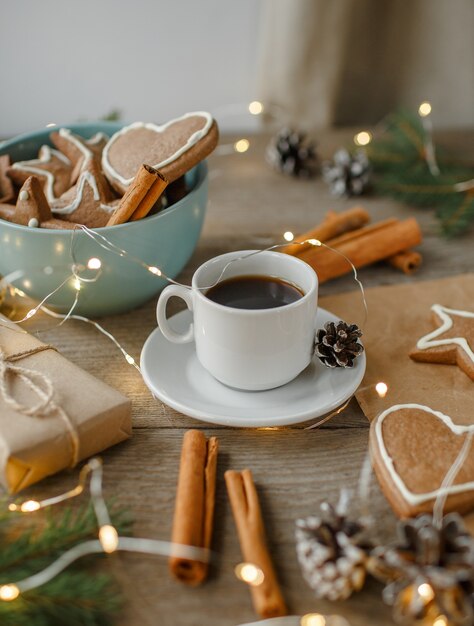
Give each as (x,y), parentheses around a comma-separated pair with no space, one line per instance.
(81,595)
(398,160)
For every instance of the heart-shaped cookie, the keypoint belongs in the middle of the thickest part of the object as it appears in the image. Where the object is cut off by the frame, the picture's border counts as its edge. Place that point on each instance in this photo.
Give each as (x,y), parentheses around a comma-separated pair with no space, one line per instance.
(413,447)
(172,148)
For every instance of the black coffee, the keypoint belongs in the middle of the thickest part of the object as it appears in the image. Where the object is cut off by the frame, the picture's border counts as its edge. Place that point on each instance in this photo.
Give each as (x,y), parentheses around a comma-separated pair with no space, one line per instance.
(254,292)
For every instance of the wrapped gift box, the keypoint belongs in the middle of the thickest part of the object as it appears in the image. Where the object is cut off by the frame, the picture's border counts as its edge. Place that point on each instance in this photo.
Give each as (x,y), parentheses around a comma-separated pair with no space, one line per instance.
(84,417)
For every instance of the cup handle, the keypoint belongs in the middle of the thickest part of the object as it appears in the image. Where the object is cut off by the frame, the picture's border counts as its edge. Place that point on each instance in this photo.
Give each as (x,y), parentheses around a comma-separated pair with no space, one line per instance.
(166,294)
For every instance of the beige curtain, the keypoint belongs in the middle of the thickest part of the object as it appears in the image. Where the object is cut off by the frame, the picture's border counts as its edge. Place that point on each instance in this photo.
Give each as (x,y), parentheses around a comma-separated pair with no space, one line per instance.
(340,62)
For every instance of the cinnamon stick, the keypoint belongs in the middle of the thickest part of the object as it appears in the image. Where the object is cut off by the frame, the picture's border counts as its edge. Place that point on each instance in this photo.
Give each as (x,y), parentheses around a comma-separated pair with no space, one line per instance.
(408,261)
(334,224)
(267,598)
(357,233)
(143,192)
(195,502)
(367,247)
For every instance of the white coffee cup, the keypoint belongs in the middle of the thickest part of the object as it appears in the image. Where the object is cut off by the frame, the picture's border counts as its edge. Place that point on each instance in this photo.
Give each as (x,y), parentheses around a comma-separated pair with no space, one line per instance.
(251,349)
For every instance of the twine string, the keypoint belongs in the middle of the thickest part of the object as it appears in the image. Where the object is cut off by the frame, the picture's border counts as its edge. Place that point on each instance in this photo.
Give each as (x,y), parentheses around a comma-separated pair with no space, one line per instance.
(42,386)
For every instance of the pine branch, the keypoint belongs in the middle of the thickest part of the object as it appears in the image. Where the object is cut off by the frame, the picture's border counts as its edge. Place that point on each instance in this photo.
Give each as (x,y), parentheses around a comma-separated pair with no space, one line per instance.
(401,171)
(57,533)
(78,595)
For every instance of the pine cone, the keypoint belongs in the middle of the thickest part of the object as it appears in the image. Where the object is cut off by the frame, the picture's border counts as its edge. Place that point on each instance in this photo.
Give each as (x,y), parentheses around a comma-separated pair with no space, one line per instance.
(348,175)
(432,570)
(290,153)
(337,345)
(333,552)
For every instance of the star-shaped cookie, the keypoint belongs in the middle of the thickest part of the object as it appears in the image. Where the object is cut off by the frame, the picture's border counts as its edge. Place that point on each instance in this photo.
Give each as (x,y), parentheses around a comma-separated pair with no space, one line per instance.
(451,343)
(90,201)
(78,150)
(52,167)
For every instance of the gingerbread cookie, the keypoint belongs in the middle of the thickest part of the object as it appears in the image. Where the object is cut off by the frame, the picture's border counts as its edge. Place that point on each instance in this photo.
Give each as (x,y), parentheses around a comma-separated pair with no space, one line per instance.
(413,448)
(78,150)
(7,193)
(32,208)
(89,201)
(173,148)
(451,343)
(52,167)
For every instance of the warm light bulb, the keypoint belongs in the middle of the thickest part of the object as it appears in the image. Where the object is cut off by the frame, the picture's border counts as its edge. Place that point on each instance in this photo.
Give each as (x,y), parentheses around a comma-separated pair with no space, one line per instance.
(426,592)
(29,506)
(288,236)
(108,538)
(424,109)
(314,242)
(363,138)
(313,619)
(441,620)
(129,359)
(94,264)
(381,389)
(9,592)
(154,270)
(249,573)
(242,145)
(77,284)
(256,107)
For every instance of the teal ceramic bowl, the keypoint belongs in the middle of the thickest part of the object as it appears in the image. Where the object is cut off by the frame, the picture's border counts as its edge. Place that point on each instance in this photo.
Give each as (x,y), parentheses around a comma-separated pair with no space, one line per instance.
(165,240)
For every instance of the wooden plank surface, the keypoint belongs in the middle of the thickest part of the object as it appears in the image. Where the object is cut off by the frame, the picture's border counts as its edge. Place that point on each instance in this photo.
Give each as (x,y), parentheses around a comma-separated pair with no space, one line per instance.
(295,469)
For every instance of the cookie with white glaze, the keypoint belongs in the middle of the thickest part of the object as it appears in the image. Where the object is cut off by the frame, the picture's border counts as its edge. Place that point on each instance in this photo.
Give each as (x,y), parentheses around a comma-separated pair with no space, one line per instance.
(89,202)
(52,168)
(172,148)
(452,341)
(78,150)
(413,448)
(32,208)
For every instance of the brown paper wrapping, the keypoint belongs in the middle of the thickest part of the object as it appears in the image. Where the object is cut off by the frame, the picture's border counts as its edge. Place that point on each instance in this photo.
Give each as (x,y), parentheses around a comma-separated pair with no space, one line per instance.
(398,316)
(34,447)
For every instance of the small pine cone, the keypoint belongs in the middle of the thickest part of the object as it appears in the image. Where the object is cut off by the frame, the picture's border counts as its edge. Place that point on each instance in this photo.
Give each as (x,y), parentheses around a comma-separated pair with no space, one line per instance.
(332,552)
(441,557)
(348,175)
(337,345)
(290,153)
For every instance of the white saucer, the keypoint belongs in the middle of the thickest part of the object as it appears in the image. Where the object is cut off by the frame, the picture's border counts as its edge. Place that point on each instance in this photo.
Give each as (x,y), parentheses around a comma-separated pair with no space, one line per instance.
(174,375)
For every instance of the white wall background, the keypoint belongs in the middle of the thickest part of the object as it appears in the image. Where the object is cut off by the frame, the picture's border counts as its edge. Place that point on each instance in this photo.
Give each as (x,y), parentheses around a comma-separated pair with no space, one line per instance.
(63,60)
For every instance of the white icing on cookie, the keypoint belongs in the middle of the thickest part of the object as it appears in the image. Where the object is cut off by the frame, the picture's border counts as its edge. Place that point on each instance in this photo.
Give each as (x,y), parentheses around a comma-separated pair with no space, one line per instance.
(430,341)
(97,138)
(192,140)
(45,155)
(33,222)
(409,496)
(86,177)
(67,134)
(23,195)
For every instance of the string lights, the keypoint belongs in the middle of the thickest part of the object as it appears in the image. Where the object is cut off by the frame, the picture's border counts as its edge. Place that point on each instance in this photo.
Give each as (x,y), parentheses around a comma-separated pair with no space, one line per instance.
(95,264)
(310,619)
(108,540)
(424,111)
(249,573)
(363,138)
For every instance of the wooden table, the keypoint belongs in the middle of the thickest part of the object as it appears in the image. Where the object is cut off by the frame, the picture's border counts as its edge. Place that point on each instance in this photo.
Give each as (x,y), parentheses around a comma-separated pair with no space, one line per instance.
(250,206)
